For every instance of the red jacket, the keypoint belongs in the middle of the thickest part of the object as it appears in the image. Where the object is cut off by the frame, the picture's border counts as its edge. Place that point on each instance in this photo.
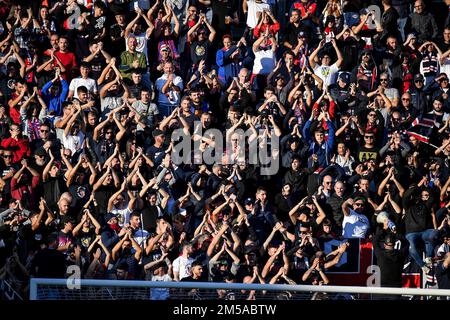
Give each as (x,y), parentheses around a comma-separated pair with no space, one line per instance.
(18,147)
(28,191)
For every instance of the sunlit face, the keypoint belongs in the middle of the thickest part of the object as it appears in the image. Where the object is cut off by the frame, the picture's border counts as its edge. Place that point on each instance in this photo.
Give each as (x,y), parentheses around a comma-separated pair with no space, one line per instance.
(295,164)
(289,60)
(364,185)
(326,60)
(135,221)
(152,199)
(132,43)
(120,19)
(145,96)
(319,137)
(54,41)
(63,44)
(168,68)
(64,206)
(339,189)
(227,43)
(437,105)
(185,105)
(195,97)
(341,149)
(167,30)
(84,72)
(418,6)
(328,183)
(91,119)
(136,77)
(44,13)
(295,16)
(406,99)
(262,195)
(44,132)
(392,42)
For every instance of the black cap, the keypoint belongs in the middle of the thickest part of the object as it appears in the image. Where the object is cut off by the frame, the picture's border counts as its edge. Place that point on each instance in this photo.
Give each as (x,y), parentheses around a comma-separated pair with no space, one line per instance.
(344,76)
(109,216)
(249,201)
(418,77)
(157,132)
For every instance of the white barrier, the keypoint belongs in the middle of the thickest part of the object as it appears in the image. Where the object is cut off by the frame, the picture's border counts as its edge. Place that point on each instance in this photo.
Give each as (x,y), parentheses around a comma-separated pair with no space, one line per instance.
(36,282)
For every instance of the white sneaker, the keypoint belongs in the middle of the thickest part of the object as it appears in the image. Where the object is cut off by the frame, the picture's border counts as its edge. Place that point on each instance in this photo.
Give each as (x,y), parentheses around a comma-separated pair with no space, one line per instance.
(425,269)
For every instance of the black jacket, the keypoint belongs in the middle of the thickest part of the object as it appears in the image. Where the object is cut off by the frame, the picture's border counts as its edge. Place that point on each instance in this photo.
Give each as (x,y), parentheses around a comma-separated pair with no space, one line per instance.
(418,213)
(390,261)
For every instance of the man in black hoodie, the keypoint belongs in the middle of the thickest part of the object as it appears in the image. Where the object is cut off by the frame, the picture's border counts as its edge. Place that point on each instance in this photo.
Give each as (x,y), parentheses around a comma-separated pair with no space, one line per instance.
(391,250)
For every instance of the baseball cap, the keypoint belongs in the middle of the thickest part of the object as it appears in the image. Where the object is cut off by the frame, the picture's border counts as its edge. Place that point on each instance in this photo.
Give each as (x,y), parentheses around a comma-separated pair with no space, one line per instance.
(293,139)
(157,132)
(344,76)
(109,216)
(248,201)
(363,199)
(164,47)
(418,77)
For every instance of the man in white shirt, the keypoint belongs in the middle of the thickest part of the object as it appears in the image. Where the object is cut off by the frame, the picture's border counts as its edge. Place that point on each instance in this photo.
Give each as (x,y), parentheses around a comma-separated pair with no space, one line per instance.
(264,48)
(169,87)
(355,223)
(324,70)
(182,264)
(255,8)
(83,80)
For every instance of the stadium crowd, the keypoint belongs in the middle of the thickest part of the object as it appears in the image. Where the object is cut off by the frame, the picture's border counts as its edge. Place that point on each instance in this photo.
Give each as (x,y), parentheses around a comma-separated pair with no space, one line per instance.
(349,98)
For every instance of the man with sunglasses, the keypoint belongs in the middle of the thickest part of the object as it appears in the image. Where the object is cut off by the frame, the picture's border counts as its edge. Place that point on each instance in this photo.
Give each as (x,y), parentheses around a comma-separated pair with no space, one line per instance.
(16,143)
(368,150)
(46,140)
(355,223)
(7,170)
(417,92)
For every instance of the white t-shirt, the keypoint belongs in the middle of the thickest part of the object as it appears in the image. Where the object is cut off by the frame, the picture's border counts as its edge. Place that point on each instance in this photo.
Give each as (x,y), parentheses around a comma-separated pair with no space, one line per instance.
(355,225)
(182,266)
(89,83)
(73,142)
(174,97)
(253,9)
(123,215)
(326,73)
(264,62)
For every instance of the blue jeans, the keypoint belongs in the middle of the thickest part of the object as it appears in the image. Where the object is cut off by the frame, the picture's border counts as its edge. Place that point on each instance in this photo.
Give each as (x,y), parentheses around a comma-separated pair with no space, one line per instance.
(401,26)
(428,237)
